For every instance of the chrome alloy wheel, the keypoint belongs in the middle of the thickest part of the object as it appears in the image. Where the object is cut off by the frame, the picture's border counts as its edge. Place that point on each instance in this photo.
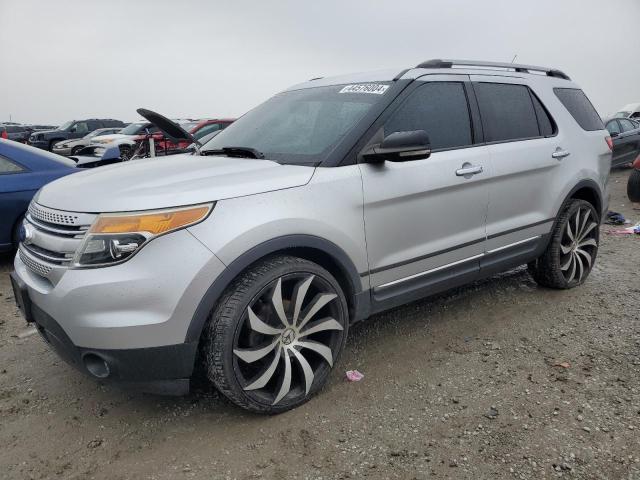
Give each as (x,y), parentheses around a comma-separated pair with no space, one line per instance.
(289,337)
(578,246)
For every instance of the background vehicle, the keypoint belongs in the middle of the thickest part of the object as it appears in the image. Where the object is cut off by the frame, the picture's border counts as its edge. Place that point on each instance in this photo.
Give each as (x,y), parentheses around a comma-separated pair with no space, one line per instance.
(633,184)
(258,266)
(71,147)
(625,134)
(46,139)
(130,137)
(18,133)
(205,127)
(23,171)
(631,110)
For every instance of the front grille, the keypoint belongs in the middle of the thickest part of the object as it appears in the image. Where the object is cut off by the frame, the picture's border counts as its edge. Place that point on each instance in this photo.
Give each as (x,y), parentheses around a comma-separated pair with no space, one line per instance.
(33,265)
(52,217)
(53,238)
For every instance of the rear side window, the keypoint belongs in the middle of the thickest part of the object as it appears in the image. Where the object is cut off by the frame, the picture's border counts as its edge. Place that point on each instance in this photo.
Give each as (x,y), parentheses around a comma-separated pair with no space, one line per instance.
(580,108)
(7,166)
(545,122)
(627,125)
(438,108)
(507,112)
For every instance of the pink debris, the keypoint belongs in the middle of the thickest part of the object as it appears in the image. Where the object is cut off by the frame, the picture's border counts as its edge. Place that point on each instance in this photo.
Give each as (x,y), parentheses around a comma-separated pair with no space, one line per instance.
(354,375)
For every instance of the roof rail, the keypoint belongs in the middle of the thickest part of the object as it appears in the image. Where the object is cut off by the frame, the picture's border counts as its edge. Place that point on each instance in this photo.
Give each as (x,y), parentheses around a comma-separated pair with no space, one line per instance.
(437,63)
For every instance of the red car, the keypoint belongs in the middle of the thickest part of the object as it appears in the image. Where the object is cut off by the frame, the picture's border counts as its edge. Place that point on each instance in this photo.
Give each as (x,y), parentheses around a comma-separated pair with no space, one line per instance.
(205,127)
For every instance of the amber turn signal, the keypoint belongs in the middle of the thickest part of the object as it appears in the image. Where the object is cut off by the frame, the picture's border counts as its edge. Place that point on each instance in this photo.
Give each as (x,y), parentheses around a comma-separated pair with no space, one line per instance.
(155,223)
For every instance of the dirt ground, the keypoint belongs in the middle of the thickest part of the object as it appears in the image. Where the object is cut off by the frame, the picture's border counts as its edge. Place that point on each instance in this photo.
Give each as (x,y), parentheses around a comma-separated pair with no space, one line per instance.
(465,385)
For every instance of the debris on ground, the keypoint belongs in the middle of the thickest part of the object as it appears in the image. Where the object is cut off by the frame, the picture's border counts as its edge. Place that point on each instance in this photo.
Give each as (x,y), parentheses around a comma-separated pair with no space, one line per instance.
(354,375)
(615,218)
(562,364)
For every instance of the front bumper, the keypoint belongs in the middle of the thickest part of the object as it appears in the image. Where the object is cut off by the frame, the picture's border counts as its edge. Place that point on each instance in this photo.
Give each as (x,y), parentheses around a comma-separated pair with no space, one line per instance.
(164,370)
(133,317)
(43,144)
(62,151)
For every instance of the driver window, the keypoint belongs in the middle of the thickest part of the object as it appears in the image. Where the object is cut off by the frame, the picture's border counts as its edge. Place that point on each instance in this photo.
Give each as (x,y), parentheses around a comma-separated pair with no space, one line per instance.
(80,127)
(438,108)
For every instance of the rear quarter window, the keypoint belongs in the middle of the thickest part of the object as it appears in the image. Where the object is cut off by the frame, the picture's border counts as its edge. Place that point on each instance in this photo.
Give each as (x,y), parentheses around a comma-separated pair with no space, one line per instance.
(507,111)
(8,167)
(580,108)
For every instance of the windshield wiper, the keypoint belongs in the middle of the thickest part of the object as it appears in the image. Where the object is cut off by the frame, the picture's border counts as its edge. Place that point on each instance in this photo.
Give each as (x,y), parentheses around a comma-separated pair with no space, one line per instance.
(239,152)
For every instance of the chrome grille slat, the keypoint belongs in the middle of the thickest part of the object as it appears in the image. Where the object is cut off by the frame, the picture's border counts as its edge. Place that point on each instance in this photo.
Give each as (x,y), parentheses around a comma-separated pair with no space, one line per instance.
(51,229)
(46,255)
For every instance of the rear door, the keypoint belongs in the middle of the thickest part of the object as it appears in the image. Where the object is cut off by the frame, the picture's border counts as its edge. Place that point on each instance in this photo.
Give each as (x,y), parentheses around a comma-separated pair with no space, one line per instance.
(526,152)
(629,139)
(424,220)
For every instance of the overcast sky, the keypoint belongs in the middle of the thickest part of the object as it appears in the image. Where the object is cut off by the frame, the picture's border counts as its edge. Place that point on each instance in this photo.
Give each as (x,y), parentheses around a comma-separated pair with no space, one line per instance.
(73,59)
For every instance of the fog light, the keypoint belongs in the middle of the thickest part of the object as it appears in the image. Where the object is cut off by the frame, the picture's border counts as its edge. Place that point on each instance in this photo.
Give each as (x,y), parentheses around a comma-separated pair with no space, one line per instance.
(97,366)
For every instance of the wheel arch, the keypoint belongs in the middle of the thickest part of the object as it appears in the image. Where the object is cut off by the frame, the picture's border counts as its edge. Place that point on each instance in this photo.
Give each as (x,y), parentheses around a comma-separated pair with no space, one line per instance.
(589,191)
(316,249)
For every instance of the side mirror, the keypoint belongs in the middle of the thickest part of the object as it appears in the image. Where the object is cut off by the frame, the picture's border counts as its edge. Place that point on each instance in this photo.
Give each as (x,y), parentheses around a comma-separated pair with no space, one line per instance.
(400,147)
(615,134)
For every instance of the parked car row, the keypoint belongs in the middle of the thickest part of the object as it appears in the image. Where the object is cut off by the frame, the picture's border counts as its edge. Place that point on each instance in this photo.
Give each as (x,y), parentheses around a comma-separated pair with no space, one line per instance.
(18,132)
(71,130)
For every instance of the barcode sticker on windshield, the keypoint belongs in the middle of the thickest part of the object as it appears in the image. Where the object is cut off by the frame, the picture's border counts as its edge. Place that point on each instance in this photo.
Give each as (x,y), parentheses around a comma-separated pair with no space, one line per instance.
(374,88)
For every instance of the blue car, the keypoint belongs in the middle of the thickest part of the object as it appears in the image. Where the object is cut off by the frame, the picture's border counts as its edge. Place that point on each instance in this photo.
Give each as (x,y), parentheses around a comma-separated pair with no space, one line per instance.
(23,170)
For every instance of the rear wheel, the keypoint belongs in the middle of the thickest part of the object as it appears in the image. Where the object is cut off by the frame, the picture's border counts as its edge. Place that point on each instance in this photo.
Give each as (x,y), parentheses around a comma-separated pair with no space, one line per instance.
(275,335)
(633,186)
(572,249)
(75,150)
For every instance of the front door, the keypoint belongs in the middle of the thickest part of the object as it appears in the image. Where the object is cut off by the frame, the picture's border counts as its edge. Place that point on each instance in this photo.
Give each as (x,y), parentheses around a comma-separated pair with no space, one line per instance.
(425,219)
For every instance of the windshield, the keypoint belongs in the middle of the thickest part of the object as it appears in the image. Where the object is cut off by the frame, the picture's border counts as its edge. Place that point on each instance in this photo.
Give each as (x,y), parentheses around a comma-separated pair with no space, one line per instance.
(300,126)
(132,129)
(66,125)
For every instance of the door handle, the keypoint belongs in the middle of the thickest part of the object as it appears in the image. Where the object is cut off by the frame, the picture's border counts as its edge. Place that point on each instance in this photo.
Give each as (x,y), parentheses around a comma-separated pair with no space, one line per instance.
(559,154)
(467,170)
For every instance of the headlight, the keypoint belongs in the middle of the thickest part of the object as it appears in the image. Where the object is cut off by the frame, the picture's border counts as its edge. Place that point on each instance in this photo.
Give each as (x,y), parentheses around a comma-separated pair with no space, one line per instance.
(114,237)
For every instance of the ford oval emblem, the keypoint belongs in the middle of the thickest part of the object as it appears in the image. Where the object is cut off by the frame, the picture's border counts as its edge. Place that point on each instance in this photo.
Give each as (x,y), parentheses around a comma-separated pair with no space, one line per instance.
(26,234)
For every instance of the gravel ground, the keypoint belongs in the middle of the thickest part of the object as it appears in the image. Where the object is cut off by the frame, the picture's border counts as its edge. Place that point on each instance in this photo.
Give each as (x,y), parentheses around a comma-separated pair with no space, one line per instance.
(501,379)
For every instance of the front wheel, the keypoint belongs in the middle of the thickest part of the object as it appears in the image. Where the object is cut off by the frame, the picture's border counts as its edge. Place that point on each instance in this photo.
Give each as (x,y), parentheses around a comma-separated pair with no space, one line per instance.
(633,186)
(276,334)
(126,152)
(572,249)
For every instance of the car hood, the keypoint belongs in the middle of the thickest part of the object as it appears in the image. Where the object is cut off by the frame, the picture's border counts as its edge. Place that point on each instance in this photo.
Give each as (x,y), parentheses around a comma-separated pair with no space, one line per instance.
(170,181)
(73,142)
(48,132)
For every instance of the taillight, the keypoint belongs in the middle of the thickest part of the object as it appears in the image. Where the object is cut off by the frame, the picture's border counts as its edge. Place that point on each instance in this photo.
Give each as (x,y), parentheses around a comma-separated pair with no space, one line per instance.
(636,163)
(4,134)
(609,142)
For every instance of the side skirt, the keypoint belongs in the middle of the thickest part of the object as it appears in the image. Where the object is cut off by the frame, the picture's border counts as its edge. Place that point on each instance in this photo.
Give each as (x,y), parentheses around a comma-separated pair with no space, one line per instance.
(454,275)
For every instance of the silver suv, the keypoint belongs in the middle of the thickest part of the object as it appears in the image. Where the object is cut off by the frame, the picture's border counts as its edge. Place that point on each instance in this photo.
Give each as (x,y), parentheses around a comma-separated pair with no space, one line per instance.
(335,199)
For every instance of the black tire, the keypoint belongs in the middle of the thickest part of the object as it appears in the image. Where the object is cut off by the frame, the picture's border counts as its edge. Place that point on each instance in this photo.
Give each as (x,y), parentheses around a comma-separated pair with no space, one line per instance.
(125,152)
(555,267)
(229,327)
(633,186)
(75,150)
